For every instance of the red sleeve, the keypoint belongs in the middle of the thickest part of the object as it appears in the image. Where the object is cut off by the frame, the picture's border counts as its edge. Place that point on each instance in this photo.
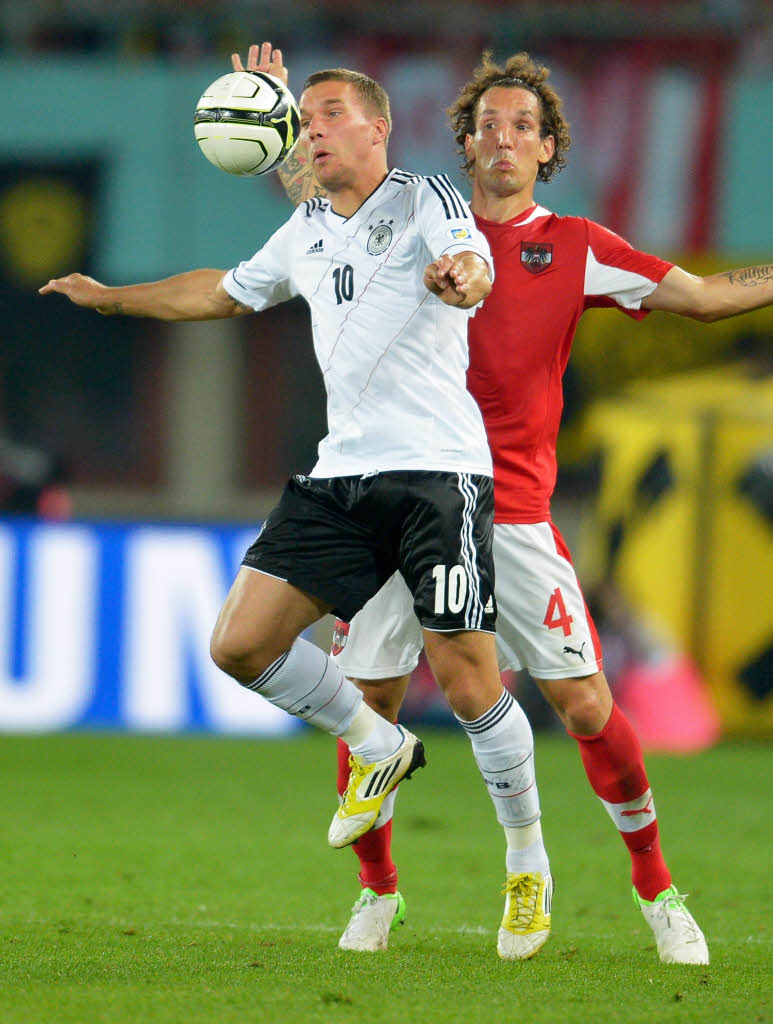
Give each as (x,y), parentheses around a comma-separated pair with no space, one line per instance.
(617,274)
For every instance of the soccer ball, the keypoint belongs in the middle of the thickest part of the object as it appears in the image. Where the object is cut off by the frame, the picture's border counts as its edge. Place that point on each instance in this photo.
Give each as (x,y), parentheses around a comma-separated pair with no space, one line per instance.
(247,123)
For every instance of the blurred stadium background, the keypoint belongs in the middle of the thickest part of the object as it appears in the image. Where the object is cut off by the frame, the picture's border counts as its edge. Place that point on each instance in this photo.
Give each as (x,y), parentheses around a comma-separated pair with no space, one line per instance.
(137,458)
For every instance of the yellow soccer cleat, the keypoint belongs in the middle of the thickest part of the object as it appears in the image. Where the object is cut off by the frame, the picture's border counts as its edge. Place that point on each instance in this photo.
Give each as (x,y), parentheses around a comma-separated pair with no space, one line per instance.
(368,785)
(526,923)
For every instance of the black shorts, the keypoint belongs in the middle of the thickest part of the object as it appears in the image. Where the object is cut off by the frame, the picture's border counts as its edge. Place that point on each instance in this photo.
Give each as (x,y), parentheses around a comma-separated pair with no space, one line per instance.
(341,538)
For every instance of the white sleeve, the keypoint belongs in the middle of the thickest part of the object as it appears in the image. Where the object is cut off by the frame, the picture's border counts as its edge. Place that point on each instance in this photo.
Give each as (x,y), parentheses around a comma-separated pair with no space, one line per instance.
(625,287)
(445,221)
(264,280)
(613,268)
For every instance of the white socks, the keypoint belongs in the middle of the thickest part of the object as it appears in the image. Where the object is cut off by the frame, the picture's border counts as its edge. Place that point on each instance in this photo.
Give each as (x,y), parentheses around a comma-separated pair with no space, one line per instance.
(307,683)
(525,850)
(503,746)
(369,736)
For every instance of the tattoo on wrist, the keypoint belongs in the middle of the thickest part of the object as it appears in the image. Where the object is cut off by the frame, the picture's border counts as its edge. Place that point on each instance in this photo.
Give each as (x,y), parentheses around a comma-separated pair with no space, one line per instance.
(750,277)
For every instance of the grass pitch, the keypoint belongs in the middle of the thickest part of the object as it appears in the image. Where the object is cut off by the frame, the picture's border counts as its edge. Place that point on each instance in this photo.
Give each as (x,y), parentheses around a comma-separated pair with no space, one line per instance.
(189,880)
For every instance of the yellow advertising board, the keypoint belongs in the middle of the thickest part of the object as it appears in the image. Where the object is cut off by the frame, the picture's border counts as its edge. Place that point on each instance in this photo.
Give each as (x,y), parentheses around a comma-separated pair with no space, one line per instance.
(684,524)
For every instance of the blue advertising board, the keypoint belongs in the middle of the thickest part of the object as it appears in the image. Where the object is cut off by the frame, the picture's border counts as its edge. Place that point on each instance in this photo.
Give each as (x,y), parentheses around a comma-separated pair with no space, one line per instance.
(107,626)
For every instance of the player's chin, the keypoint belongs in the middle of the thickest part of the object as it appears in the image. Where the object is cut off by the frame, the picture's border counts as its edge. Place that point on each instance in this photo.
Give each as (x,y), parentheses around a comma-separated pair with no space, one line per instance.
(326,170)
(330,181)
(505,184)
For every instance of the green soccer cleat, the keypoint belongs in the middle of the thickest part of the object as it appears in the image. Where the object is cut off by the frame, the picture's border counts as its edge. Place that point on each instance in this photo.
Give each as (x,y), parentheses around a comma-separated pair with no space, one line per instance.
(373,918)
(678,937)
(525,926)
(368,785)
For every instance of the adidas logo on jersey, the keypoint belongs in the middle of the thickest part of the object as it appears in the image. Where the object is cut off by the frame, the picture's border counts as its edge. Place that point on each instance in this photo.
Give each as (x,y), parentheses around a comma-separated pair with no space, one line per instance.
(317,247)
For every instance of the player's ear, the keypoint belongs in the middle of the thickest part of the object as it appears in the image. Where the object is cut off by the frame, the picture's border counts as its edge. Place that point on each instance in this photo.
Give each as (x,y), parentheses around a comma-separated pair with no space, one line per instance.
(468,151)
(380,131)
(547,149)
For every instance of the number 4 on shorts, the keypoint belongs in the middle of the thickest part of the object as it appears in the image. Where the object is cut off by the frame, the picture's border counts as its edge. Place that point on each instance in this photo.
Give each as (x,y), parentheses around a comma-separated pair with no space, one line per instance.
(557,615)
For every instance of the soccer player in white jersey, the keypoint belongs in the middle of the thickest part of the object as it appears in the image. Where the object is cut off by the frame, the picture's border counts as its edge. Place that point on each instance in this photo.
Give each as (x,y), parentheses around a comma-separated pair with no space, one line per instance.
(511,131)
(392,267)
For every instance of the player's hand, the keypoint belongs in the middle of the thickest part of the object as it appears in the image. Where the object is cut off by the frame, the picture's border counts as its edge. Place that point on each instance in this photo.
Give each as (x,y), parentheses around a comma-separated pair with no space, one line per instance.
(262,58)
(81,290)
(460,280)
(438,279)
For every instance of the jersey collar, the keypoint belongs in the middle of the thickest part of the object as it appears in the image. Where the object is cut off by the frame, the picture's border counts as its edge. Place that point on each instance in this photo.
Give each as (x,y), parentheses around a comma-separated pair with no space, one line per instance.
(533,213)
(363,205)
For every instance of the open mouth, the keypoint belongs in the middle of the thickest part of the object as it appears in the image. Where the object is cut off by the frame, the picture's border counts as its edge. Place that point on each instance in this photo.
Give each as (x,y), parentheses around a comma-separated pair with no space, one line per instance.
(319,155)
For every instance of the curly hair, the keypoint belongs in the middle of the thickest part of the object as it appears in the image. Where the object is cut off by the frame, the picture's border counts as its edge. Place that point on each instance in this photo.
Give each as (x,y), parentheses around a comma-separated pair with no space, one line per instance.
(519,72)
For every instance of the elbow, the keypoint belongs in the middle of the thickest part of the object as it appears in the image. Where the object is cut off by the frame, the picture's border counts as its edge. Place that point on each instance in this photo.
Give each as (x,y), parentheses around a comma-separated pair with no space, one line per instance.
(709,314)
(710,305)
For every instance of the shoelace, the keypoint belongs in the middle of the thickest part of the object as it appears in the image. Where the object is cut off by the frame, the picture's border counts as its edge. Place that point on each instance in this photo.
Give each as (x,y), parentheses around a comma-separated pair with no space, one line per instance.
(364,900)
(675,900)
(523,891)
(356,775)
(676,903)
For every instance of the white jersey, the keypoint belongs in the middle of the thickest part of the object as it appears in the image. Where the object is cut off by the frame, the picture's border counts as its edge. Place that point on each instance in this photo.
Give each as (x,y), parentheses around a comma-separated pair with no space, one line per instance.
(393,356)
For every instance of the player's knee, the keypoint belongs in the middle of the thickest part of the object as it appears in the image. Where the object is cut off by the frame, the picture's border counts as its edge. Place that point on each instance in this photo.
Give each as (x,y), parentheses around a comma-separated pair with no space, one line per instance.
(242,660)
(584,706)
(224,654)
(469,679)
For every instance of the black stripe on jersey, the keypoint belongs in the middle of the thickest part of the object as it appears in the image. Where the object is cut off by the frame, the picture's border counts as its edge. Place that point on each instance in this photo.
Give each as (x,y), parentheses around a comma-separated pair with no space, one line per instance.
(456,200)
(448,192)
(311,205)
(404,176)
(435,188)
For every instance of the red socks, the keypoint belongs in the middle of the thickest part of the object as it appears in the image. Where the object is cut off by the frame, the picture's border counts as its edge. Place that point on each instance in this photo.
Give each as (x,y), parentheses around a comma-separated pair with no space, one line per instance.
(374,849)
(614,764)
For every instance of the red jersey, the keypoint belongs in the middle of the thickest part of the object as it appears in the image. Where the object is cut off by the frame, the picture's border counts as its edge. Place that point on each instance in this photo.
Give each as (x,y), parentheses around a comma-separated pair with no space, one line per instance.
(549,270)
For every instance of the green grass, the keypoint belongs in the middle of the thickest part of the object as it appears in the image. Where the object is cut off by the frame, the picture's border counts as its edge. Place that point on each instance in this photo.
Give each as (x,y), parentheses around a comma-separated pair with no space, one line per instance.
(187,880)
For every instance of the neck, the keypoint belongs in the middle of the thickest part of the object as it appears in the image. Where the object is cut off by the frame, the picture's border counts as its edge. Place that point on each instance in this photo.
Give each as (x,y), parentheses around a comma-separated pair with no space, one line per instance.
(349,198)
(500,208)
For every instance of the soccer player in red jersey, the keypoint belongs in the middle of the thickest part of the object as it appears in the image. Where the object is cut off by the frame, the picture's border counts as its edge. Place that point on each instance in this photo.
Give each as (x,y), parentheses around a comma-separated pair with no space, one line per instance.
(509,125)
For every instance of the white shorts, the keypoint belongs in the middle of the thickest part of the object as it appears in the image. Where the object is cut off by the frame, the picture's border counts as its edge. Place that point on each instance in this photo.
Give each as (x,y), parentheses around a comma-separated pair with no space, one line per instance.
(542,622)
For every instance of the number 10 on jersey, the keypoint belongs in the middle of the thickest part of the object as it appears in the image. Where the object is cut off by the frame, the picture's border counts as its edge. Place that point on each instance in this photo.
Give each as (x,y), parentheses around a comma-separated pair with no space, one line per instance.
(450,588)
(343,278)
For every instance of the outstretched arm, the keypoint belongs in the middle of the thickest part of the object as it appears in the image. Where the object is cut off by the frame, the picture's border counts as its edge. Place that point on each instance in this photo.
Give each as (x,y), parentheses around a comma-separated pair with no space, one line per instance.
(714,297)
(197,295)
(296,173)
(461,280)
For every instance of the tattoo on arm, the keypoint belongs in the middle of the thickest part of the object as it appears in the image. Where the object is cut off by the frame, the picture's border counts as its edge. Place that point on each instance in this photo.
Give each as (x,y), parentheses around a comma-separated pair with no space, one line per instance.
(297,177)
(110,309)
(751,277)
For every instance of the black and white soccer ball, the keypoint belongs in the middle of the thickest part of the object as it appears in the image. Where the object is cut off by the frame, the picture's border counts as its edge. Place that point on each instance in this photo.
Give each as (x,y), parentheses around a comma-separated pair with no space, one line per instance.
(247,123)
